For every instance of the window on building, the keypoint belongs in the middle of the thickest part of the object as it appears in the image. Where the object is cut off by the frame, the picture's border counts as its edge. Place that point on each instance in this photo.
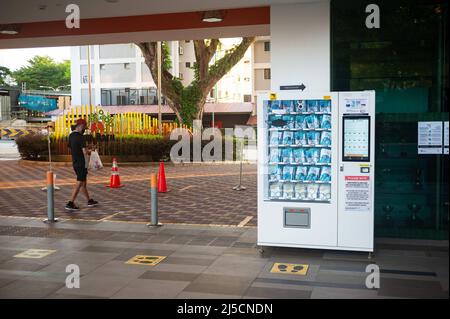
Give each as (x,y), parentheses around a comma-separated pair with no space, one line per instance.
(115,51)
(180,76)
(267,46)
(266,74)
(188,64)
(247,98)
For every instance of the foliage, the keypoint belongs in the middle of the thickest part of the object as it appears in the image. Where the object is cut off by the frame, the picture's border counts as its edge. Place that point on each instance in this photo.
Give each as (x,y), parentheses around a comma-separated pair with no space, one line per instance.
(32,146)
(43,71)
(188,102)
(5,76)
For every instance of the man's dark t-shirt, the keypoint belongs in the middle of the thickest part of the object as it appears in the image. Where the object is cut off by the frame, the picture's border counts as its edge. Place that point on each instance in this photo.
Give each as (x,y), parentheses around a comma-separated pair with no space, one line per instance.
(76,145)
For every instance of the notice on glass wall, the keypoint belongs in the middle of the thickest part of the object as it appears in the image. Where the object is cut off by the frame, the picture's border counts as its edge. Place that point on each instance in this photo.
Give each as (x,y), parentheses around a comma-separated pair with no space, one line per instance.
(429,137)
(357,193)
(446,137)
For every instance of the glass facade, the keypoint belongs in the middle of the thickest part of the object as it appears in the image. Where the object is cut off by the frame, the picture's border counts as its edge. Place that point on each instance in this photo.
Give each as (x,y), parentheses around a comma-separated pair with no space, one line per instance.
(406,62)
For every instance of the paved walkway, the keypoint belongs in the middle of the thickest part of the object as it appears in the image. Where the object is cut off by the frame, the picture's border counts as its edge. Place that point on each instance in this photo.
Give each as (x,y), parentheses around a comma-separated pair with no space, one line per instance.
(198,194)
(202,262)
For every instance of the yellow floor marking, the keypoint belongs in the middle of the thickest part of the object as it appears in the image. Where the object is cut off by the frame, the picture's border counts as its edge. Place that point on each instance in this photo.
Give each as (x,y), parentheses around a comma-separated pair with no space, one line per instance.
(187,187)
(109,216)
(35,253)
(245,221)
(290,269)
(145,260)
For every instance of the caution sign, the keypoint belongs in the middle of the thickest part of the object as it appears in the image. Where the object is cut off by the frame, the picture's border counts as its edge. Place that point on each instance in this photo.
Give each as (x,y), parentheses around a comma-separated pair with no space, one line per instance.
(291,269)
(35,253)
(145,260)
(13,133)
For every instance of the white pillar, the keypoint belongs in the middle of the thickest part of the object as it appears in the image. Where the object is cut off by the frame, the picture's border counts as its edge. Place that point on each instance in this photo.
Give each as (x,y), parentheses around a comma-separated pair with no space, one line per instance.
(300,45)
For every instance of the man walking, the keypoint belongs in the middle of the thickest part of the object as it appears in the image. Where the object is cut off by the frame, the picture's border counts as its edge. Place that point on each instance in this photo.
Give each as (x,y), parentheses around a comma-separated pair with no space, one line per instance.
(77,145)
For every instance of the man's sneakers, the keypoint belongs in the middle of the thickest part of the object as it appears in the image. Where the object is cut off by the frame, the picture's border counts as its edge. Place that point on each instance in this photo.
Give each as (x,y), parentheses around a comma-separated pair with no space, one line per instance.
(71,206)
(92,203)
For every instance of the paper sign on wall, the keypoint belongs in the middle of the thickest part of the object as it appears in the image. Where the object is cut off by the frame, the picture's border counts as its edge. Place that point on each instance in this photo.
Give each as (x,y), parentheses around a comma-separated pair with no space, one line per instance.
(446,137)
(429,137)
(357,193)
(356,106)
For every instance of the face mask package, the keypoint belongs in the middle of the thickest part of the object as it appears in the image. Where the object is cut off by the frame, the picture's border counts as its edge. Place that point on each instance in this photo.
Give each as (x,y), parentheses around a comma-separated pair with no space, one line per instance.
(288,173)
(312,155)
(275,107)
(325,121)
(312,106)
(325,174)
(301,192)
(288,105)
(298,136)
(274,155)
(313,174)
(286,155)
(300,122)
(312,121)
(298,156)
(275,137)
(325,156)
(300,173)
(275,173)
(313,191)
(288,137)
(325,138)
(325,192)
(313,138)
(288,191)
(325,106)
(275,190)
(290,123)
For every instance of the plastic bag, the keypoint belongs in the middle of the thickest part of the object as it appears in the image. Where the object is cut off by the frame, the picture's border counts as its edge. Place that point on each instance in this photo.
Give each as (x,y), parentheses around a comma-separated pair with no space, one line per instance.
(95,162)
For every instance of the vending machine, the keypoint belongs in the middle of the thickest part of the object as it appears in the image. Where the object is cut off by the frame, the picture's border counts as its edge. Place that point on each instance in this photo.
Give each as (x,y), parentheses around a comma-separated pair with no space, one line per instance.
(316,170)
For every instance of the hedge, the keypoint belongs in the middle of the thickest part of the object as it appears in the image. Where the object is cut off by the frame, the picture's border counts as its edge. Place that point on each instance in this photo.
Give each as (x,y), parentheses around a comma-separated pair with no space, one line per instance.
(152,147)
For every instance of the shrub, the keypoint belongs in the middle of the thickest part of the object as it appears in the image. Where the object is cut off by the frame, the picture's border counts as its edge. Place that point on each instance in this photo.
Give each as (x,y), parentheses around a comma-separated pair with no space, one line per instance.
(33,146)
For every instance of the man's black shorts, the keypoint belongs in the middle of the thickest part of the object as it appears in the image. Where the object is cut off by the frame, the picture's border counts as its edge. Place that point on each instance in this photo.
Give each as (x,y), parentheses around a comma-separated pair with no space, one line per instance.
(81,173)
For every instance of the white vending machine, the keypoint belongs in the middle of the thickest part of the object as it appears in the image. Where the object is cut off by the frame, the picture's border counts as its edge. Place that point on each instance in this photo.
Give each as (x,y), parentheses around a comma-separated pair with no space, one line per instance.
(316,170)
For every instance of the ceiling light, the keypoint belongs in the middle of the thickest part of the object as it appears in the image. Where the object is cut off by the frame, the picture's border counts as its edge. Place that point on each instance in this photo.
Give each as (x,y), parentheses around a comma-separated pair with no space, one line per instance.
(9,29)
(212,16)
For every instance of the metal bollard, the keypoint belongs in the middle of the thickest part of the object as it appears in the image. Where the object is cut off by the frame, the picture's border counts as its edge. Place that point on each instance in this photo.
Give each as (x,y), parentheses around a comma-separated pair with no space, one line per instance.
(154,201)
(50,199)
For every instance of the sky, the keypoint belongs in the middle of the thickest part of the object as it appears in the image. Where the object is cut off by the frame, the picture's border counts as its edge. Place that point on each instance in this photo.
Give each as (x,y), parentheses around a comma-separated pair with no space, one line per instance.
(16,58)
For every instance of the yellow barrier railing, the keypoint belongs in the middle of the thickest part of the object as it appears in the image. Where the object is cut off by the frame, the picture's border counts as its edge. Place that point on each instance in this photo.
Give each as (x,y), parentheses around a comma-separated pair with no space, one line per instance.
(131,123)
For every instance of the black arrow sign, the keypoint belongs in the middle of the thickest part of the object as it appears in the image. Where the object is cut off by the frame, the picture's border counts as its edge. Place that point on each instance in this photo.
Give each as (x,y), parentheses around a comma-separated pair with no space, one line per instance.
(293,87)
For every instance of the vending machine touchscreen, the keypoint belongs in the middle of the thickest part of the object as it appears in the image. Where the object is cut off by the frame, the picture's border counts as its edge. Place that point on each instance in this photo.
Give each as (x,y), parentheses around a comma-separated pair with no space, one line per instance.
(356,139)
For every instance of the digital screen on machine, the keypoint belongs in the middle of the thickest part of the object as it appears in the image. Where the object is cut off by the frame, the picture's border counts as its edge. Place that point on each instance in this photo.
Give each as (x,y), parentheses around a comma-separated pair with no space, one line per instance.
(356,144)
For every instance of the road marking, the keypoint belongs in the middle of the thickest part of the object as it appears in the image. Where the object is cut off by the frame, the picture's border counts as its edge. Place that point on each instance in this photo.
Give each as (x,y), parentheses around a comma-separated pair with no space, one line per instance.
(104,180)
(187,187)
(35,253)
(245,221)
(290,269)
(145,260)
(110,216)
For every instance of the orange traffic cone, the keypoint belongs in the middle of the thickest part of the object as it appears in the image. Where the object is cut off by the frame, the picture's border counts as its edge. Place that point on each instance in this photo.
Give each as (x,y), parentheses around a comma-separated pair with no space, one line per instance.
(114,181)
(162,186)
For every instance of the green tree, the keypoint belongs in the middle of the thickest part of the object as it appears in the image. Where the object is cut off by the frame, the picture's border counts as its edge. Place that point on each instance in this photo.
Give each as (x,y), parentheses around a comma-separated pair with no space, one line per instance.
(5,76)
(188,102)
(43,71)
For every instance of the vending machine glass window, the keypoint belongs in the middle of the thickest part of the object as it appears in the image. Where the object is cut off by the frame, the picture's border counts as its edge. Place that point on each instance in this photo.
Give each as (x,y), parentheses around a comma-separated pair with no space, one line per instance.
(299,142)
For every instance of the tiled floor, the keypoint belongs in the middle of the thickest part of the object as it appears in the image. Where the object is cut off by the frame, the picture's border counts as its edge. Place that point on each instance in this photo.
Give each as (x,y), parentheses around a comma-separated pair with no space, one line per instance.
(203,262)
(197,194)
